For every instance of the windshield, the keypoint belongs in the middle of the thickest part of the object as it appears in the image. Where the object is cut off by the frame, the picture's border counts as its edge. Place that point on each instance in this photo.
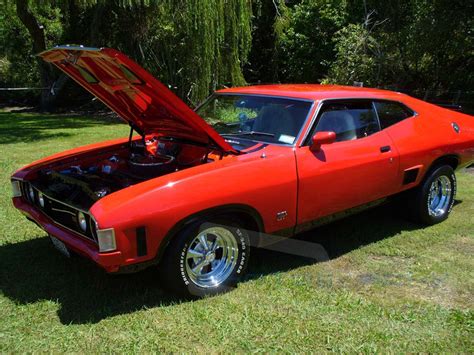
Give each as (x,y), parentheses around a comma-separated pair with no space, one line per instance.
(257,118)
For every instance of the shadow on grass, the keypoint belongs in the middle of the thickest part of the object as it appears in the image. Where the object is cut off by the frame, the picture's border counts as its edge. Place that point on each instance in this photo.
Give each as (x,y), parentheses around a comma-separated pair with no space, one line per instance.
(33,271)
(15,127)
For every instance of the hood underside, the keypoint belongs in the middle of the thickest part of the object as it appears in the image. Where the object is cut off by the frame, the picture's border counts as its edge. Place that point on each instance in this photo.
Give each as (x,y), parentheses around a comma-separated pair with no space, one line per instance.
(134,94)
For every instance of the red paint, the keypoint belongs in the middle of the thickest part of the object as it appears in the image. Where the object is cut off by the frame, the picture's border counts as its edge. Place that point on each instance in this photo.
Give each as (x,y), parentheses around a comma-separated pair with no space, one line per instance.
(344,175)
(306,183)
(143,101)
(321,138)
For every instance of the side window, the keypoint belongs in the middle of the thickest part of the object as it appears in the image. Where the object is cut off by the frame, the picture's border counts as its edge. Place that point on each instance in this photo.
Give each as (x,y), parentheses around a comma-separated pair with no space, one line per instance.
(390,112)
(349,120)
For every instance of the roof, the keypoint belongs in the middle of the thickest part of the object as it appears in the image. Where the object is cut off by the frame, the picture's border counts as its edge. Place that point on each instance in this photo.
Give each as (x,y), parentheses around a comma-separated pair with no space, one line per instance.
(312,91)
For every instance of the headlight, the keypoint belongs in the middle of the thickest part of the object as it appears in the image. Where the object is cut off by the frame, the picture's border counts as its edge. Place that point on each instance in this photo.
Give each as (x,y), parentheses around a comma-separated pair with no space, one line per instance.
(106,239)
(82,221)
(41,199)
(16,188)
(31,193)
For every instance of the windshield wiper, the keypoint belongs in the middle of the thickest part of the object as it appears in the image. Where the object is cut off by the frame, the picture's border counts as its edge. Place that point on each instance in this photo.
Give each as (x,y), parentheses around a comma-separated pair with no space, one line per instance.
(250,133)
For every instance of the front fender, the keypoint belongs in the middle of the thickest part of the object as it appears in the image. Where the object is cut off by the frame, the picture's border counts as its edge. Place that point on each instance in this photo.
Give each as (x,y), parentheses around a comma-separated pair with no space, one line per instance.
(266,184)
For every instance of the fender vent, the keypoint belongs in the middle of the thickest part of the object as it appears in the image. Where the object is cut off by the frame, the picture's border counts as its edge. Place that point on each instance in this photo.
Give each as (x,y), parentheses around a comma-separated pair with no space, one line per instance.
(141,241)
(410,176)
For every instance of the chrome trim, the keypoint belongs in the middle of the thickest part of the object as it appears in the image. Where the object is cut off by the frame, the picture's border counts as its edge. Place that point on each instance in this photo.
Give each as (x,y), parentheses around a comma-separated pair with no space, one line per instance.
(376,115)
(64,211)
(95,224)
(311,123)
(210,261)
(93,239)
(456,127)
(63,226)
(61,202)
(439,196)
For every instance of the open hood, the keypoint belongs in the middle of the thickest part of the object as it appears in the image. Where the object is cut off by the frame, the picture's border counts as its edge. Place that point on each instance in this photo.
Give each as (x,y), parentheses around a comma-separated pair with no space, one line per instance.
(133,93)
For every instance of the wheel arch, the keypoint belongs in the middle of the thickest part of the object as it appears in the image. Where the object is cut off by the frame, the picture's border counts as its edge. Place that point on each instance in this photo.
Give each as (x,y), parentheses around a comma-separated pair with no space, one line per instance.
(247,214)
(451,160)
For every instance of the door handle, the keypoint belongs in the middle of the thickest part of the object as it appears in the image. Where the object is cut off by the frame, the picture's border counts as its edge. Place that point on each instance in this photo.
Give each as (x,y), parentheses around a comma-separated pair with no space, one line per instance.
(385,149)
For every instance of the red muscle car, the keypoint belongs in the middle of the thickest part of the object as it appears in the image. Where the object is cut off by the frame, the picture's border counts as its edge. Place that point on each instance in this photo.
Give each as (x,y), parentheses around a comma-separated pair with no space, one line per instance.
(186,188)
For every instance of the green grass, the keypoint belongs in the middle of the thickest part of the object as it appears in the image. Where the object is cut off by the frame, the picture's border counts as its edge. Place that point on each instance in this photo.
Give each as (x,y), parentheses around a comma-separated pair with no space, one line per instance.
(390,284)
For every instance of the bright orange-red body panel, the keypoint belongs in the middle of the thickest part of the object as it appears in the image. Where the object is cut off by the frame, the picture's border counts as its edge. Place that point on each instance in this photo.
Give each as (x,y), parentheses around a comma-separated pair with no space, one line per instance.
(344,175)
(305,184)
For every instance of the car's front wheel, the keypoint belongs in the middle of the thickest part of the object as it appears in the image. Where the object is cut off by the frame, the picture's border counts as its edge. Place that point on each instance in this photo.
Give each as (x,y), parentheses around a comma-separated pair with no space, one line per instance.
(434,198)
(206,258)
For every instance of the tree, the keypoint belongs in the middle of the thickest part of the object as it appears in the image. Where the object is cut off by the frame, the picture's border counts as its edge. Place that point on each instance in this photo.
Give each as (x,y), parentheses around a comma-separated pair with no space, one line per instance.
(195,46)
(306,44)
(37,33)
(356,58)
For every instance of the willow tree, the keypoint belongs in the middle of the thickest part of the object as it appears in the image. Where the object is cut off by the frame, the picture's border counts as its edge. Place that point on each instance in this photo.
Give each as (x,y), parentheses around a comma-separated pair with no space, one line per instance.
(197,46)
(220,40)
(194,46)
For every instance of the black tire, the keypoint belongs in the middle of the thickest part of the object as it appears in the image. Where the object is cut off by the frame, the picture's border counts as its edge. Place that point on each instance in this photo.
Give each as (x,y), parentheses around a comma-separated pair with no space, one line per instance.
(176,269)
(63,249)
(419,203)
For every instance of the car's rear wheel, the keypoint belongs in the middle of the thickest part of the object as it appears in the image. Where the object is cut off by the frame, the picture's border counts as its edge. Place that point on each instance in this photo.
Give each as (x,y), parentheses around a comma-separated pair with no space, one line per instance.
(206,258)
(434,199)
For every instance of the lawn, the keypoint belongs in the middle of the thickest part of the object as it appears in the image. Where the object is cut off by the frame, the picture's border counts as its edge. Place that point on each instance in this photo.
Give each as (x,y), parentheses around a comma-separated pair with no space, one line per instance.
(389,284)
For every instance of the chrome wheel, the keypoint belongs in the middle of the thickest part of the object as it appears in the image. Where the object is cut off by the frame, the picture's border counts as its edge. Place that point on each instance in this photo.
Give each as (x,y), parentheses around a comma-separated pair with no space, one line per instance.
(439,196)
(211,257)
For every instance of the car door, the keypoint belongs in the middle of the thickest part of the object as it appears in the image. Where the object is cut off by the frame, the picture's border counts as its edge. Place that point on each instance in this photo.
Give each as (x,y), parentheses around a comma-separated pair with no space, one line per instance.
(359,167)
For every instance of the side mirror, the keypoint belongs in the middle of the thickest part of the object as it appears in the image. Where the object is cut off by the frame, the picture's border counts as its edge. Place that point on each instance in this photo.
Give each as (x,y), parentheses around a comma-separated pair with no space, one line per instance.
(321,138)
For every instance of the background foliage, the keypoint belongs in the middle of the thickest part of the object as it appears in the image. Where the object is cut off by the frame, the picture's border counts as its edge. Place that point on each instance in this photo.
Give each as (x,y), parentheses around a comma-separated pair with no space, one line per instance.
(197,46)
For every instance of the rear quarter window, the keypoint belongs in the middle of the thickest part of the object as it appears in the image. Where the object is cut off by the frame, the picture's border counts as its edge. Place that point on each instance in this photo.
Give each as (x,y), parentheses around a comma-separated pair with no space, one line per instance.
(390,112)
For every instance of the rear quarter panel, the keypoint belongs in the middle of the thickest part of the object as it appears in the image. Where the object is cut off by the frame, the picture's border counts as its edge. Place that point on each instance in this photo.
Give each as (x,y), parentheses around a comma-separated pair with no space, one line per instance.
(429,135)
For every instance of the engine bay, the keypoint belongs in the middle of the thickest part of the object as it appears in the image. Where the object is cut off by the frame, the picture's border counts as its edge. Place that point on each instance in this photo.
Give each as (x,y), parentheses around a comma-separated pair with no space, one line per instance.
(83,181)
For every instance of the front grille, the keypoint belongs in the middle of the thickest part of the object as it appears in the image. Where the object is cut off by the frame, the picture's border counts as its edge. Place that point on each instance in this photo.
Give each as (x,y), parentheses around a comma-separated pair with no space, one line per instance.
(59,212)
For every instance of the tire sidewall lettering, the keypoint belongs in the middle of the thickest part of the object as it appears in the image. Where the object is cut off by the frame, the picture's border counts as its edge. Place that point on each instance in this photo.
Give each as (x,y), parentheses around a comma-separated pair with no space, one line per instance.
(243,247)
(238,269)
(182,266)
(454,187)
